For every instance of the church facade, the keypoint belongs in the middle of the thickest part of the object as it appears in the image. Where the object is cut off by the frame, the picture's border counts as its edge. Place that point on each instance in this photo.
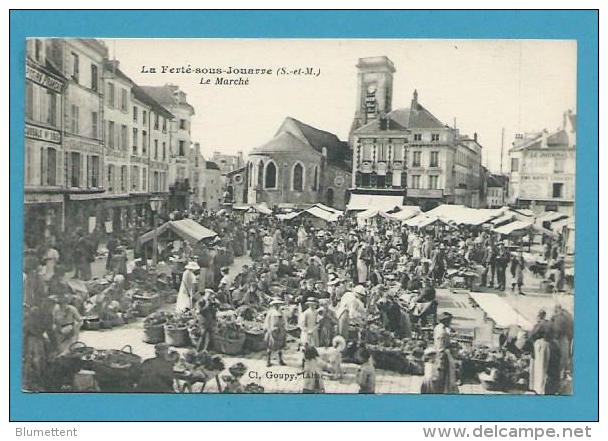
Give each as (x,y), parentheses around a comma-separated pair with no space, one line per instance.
(300,166)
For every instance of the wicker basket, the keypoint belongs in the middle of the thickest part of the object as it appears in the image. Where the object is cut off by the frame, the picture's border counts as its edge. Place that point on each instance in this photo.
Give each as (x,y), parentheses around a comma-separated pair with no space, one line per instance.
(154,334)
(91,323)
(118,370)
(177,337)
(294,331)
(254,342)
(229,346)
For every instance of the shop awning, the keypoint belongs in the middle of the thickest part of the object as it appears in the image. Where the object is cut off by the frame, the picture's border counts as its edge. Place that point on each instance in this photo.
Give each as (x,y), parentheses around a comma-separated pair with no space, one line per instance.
(513,227)
(366,201)
(406,212)
(258,208)
(187,229)
(421,221)
(459,214)
(321,214)
(498,310)
(328,208)
(551,216)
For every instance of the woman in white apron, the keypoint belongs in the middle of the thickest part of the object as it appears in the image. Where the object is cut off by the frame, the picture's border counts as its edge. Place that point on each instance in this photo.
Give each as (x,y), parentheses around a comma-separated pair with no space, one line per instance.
(187,288)
(362,269)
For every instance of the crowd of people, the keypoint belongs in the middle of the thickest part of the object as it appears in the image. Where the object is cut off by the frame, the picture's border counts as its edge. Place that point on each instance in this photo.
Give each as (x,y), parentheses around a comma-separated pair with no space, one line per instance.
(334,277)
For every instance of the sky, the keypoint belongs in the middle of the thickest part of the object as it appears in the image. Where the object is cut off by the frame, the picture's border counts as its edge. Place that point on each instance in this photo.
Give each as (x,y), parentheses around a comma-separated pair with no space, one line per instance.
(482,85)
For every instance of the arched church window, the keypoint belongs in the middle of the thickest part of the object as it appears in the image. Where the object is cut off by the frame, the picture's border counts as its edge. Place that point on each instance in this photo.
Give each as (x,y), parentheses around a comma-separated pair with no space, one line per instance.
(270,179)
(298,177)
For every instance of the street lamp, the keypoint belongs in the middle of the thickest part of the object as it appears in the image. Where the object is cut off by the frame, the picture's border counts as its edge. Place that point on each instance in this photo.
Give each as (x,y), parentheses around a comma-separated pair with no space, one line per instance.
(155,204)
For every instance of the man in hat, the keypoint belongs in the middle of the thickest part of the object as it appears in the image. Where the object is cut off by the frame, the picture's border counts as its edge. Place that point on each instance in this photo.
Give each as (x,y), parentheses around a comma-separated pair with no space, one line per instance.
(188,288)
(276,331)
(156,374)
(351,308)
(308,324)
(502,261)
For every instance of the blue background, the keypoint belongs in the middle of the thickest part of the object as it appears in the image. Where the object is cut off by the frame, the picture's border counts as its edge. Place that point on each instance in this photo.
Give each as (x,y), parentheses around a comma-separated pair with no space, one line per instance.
(578,25)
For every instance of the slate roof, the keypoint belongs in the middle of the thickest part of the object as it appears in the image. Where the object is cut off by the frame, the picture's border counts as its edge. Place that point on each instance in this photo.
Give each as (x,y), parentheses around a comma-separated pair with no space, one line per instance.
(165,95)
(295,135)
(416,117)
(210,165)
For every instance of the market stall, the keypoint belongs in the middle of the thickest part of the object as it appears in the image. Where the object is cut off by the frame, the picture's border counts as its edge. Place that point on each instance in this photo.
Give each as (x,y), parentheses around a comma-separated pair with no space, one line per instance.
(186,229)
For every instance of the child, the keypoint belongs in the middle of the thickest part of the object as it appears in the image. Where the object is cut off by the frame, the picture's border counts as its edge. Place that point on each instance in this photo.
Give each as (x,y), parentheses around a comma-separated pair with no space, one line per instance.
(334,356)
(366,375)
(313,371)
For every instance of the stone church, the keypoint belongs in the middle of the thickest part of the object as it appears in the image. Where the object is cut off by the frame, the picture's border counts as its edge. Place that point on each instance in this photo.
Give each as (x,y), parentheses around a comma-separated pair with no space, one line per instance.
(300,166)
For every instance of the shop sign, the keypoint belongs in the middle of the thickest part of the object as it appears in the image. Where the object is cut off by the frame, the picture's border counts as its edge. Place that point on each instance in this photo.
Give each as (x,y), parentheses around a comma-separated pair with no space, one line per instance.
(424,193)
(45,80)
(42,133)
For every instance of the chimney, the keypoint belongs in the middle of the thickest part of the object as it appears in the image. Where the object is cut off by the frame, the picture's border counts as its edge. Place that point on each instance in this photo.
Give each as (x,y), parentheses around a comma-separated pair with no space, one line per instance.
(414,104)
(475,136)
(543,139)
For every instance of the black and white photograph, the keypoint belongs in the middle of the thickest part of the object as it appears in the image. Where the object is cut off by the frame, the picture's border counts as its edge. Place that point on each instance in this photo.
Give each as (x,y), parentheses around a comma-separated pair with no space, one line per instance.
(299,216)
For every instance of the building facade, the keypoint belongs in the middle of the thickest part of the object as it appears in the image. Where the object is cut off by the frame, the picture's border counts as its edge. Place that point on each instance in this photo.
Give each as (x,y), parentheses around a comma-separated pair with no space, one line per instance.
(543,169)
(408,152)
(235,184)
(180,170)
(44,153)
(299,166)
(496,190)
(228,163)
(81,62)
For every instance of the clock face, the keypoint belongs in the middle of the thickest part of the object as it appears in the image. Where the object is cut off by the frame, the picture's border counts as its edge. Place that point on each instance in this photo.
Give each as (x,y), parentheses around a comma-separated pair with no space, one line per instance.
(371,88)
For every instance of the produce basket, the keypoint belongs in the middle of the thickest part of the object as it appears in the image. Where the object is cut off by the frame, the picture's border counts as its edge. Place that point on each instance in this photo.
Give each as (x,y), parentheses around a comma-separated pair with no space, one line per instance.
(254,341)
(116,370)
(294,331)
(392,359)
(74,359)
(91,323)
(154,334)
(176,336)
(229,346)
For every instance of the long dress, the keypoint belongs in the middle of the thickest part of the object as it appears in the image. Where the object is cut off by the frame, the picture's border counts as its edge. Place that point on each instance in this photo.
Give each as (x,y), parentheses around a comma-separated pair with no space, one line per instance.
(539,366)
(276,332)
(186,291)
(447,381)
(327,327)
(362,269)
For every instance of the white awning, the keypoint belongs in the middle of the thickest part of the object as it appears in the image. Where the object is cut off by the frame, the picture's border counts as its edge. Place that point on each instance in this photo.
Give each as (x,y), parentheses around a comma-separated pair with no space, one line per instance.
(513,227)
(322,214)
(406,212)
(459,214)
(187,229)
(499,311)
(367,201)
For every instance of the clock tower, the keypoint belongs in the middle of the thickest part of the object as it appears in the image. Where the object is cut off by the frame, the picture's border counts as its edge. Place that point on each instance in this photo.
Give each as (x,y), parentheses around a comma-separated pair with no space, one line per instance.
(374,89)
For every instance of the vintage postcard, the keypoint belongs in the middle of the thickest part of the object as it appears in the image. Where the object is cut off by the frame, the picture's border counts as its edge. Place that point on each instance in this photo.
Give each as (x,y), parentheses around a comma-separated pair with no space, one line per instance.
(338,216)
